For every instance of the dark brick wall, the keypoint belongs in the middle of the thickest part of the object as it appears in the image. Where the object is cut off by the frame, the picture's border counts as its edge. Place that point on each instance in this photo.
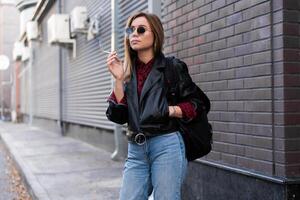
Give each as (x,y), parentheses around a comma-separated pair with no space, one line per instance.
(287,73)
(253,83)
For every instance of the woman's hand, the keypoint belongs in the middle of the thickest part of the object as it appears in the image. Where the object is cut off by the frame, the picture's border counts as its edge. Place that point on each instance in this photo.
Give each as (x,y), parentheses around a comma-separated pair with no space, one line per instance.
(115,66)
(175,111)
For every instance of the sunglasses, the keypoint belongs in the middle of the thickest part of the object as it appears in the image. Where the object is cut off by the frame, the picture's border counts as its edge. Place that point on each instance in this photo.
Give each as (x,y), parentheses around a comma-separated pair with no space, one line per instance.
(140,30)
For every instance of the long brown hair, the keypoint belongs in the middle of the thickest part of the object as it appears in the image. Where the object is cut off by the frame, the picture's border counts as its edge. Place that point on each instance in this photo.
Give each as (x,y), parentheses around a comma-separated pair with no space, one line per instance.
(158,32)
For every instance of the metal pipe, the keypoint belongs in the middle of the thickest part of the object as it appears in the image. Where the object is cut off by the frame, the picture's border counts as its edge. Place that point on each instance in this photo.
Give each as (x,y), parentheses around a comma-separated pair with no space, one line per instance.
(117,154)
(60,82)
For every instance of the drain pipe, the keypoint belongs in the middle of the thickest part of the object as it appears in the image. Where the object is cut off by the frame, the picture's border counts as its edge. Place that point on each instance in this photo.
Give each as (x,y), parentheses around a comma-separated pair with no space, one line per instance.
(60,66)
(117,154)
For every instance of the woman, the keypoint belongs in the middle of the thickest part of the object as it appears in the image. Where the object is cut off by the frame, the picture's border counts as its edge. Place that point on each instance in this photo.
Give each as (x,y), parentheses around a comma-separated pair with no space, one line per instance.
(156,153)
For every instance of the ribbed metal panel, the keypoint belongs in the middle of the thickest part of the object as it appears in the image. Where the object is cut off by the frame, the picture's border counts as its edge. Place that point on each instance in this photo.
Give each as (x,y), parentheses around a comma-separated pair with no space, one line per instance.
(86,80)
(127,8)
(45,73)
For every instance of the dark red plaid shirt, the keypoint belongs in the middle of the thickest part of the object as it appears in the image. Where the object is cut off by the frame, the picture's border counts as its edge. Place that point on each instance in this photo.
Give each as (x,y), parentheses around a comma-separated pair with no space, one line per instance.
(142,71)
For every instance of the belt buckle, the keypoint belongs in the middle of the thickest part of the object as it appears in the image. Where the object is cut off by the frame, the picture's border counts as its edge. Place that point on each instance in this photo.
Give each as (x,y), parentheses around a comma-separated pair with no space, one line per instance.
(140,138)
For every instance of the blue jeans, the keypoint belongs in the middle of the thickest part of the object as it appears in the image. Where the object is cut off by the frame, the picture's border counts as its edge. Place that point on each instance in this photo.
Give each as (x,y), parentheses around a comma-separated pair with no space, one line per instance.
(159,165)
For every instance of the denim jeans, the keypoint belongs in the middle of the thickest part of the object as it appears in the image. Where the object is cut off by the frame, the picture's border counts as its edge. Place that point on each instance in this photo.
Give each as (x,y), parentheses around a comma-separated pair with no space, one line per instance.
(159,165)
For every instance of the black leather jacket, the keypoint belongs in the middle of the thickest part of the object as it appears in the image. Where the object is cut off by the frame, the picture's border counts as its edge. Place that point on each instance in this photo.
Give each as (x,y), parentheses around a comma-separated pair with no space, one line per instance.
(149,114)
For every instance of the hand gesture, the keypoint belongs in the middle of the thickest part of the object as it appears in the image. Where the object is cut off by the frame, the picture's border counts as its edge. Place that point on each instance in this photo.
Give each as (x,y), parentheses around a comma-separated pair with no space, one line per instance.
(115,66)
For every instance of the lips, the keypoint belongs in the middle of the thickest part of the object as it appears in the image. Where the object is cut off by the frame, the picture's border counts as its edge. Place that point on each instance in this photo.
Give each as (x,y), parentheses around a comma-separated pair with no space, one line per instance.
(134,41)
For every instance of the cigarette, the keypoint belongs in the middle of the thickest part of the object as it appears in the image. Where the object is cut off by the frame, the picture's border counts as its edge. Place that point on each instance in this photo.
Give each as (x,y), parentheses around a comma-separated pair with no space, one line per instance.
(106,51)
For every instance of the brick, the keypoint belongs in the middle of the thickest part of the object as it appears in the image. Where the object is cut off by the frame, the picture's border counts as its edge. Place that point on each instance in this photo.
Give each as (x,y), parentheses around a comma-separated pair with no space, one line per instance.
(254,141)
(220,126)
(206,67)
(192,15)
(205,28)
(210,76)
(278,29)
(219,85)
(234,19)
(252,71)
(235,84)
(263,57)
(258,106)
(292,144)
(258,153)
(199,21)
(177,30)
(241,5)
(187,8)
(258,129)
(182,36)
(219,106)
(226,117)
(290,16)
(242,27)
(181,19)
(193,33)
(205,48)
(257,82)
(236,149)
(187,43)
(228,10)
(254,94)
(212,56)
(261,33)
(212,36)
(261,21)
(225,32)
(205,9)
(291,55)
(197,4)
(180,3)
(220,44)
(218,4)
(227,95)
(226,53)
(193,51)
(262,45)
(236,106)
(243,49)
(227,74)
(187,26)
(177,13)
(221,23)
(256,11)
(236,128)
(221,147)
(219,65)
(235,62)
(292,29)
(212,16)
(292,119)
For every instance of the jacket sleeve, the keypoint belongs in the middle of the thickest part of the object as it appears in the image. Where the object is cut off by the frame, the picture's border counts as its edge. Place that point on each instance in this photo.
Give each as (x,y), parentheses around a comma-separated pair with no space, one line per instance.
(187,90)
(117,112)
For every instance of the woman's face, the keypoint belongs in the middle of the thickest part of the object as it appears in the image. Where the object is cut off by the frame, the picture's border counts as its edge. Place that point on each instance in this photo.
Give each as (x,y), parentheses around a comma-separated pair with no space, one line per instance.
(141,41)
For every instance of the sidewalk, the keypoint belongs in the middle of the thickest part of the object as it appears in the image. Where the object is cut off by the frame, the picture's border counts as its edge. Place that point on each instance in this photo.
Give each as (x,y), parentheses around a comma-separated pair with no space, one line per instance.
(61,168)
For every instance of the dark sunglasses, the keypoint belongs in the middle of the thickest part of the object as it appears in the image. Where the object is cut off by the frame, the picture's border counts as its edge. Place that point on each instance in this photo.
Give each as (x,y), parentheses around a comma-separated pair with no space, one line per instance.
(140,30)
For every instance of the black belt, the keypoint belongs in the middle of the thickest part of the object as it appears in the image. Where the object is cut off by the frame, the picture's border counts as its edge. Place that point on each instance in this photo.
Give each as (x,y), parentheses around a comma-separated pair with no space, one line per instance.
(137,137)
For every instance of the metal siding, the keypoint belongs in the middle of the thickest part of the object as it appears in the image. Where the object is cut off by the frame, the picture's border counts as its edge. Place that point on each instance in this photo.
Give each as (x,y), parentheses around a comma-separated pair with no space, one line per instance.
(86,80)
(46,75)
(127,8)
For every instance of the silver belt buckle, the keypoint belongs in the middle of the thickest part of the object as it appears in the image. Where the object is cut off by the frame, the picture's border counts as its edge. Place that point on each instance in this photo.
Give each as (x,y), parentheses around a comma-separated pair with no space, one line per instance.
(140,139)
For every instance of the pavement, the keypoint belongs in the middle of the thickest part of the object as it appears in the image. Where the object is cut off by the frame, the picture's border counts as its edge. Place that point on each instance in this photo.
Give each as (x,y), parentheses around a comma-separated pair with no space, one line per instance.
(61,168)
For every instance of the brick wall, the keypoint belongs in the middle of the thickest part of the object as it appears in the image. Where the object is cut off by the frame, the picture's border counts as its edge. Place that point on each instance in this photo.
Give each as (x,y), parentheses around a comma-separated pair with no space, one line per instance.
(227,46)
(287,80)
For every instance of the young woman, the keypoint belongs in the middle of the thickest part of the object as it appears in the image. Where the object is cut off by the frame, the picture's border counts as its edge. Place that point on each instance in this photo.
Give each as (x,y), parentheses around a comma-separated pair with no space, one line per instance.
(156,153)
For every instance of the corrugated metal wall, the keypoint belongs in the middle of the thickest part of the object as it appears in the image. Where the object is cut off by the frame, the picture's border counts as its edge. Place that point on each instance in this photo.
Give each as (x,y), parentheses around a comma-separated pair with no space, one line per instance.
(127,8)
(45,75)
(86,81)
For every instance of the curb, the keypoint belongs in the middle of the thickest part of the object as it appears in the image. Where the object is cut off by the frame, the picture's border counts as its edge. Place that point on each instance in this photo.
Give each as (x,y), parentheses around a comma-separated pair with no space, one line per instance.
(33,186)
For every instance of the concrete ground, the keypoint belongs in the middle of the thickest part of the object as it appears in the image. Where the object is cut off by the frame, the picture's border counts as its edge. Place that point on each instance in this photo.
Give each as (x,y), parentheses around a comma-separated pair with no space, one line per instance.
(61,168)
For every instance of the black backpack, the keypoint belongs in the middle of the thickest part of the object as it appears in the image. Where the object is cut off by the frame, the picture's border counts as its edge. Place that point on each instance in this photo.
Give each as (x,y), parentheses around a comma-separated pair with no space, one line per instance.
(197,134)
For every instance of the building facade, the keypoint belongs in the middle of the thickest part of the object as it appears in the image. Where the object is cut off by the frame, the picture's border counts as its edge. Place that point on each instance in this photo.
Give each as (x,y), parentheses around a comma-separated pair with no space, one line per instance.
(243,54)
(9,32)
